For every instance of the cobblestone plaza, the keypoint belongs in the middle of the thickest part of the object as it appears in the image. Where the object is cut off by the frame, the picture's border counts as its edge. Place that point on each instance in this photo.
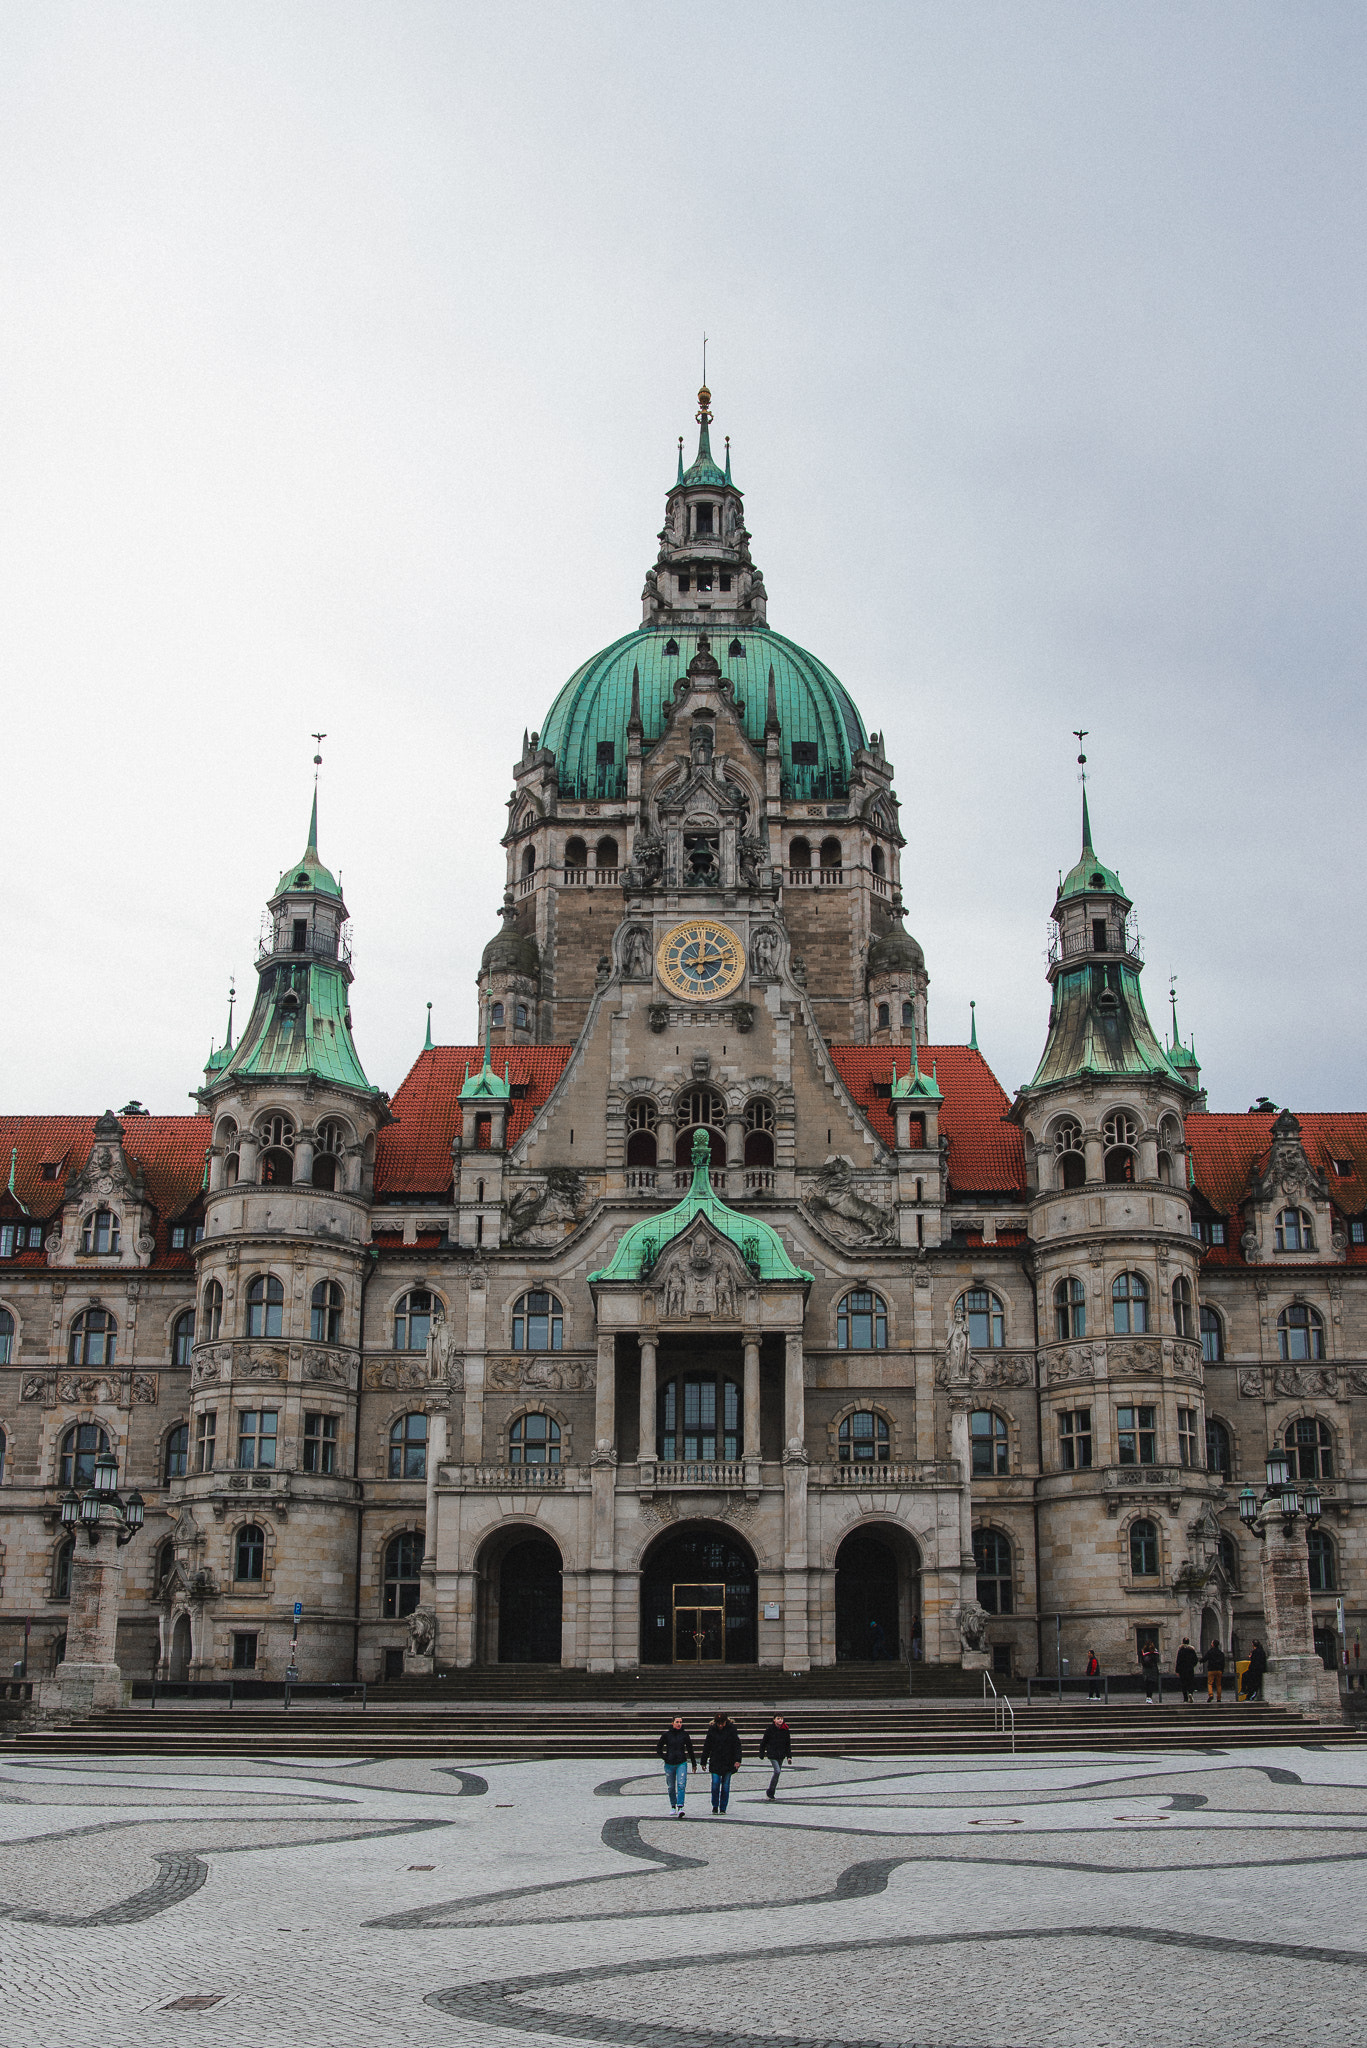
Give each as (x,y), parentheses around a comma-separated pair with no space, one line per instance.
(1002,1903)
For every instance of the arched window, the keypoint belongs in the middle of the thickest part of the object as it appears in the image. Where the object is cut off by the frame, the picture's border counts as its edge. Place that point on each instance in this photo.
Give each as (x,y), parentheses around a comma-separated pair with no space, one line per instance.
(538,1322)
(249,1553)
(325,1320)
(529,860)
(576,854)
(878,861)
(699,1419)
(1300,1331)
(884,1016)
(861,1321)
(800,856)
(1294,1231)
(6,1336)
(1130,1305)
(327,1153)
(1310,1443)
(100,1232)
(61,1569)
(265,1307)
(1181,1306)
(413,1320)
(182,1337)
(1219,1449)
(520,1017)
(1212,1337)
(81,1445)
(534,1440)
(606,853)
(177,1461)
(1323,1574)
(1068,1152)
(1119,1135)
(832,860)
(1143,1550)
(408,1447)
(642,1119)
(908,1014)
(700,1109)
(991,1444)
(992,1556)
(164,1563)
(402,1564)
(93,1338)
(759,1133)
(1229,1558)
(1070,1310)
(864,1438)
(986,1320)
(496,1017)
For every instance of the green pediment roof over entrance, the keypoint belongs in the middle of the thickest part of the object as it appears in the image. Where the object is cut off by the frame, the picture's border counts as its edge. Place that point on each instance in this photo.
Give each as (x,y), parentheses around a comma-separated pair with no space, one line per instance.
(758,1243)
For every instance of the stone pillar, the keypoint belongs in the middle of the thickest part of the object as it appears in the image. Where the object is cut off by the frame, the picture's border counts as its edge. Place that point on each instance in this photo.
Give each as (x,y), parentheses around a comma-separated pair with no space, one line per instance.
(960,1451)
(1295,1676)
(664,1150)
(645,1452)
(794,1396)
(796,1643)
(88,1676)
(750,1432)
(1092,1154)
(248,1149)
(605,1396)
(1148,1157)
(303,1161)
(603,1481)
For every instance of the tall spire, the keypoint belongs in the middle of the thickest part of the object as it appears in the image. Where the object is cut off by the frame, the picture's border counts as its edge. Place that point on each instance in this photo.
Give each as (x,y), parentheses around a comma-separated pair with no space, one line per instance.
(972,1026)
(680,458)
(318,739)
(232,998)
(634,723)
(427,1043)
(1080,734)
(728,458)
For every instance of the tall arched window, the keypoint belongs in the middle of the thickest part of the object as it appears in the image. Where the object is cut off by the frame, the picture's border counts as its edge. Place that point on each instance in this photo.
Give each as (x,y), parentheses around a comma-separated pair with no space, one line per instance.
(986,1320)
(402,1565)
(213,1311)
(992,1556)
(496,1016)
(81,1445)
(265,1306)
(61,1569)
(1294,1231)
(700,1109)
(100,1232)
(1068,1152)
(528,860)
(182,1337)
(1219,1449)
(534,1440)
(1310,1443)
(1323,1572)
(861,1321)
(1300,1331)
(327,1154)
(864,1438)
(413,1320)
(1120,1136)
(1130,1305)
(759,1132)
(1212,1337)
(249,1554)
(177,1461)
(4,1446)
(325,1313)
(699,1419)
(832,859)
(878,861)
(1143,1550)
(800,856)
(93,1338)
(642,1119)
(408,1447)
(1070,1310)
(884,1016)
(277,1155)
(1181,1306)
(6,1336)
(538,1322)
(990,1441)
(605,855)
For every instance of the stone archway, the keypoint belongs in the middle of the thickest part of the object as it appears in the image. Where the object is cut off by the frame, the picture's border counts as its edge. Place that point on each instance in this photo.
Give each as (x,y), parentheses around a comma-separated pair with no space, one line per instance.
(520,1598)
(178,1662)
(877,1595)
(699,1598)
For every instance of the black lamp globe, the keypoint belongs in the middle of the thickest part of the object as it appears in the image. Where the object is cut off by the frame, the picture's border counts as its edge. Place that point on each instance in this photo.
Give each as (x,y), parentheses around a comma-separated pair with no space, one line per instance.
(134,1510)
(106,1474)
(71,1509)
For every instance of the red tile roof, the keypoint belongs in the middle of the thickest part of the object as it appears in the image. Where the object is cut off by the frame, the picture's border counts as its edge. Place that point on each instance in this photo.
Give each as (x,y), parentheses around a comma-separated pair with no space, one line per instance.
(1226,1149)
(986,1154)
(169,1149)
(413,1156)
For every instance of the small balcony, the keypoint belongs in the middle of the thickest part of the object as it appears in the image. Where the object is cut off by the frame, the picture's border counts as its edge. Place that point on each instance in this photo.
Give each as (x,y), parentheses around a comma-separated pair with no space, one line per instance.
(724,1475)
(506,1478)
(1120,937)
(304,940)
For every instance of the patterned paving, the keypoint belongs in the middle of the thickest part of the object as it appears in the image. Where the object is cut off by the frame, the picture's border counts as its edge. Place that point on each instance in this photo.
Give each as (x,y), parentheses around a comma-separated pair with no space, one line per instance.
(1069,1901)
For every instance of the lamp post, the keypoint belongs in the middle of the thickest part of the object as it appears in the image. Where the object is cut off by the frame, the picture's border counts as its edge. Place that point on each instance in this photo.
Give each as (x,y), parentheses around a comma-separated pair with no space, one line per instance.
(88,1675)
(1295,1675)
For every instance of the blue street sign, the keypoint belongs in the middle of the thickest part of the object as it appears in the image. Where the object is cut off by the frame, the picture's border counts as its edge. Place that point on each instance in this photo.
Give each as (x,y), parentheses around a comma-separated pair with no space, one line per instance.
(298,1609)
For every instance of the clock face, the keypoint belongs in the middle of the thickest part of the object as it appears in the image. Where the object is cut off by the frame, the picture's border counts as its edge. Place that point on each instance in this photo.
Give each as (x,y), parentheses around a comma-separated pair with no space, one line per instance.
(700,961)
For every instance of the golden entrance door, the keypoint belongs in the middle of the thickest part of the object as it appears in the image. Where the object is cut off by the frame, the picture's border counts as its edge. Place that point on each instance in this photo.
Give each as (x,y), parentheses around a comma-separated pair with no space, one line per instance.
(700,1624)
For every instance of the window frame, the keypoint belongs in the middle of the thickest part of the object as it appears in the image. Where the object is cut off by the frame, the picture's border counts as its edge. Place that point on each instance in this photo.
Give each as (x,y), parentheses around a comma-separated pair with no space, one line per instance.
(1216,1427)
(93,1338)
(206,1439)
(1301,1223)
(1144,1434)
(320,1442)
(991,1315)
(405,1315)
(176,1448)
(101,1224)
(255,1440)
(1143,1541)
(523,1439)
(1212,1351)
(994,1573)
(1075,1439)
(849,1439)
(1320,1552)
(325,1314)
(8,1331)
(875,1314)
(995,1439)
(407,1455)
(525,1318)
(265,1308)
(1130,1303)
(1187,1438)
(1309,1443)
(674,1429)
(400,1573)
(1070,1310)
(72,1471)
(1312,1328)
(1181,1306)
(249,1541)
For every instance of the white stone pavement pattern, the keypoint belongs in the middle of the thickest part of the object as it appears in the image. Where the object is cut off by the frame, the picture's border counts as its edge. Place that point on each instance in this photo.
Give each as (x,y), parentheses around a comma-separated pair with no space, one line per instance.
(1048,1902)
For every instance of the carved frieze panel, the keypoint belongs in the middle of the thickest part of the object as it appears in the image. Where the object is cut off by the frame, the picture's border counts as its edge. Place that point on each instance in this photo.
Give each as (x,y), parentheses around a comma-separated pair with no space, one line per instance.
(398,1375)
(1076,1362)
(1305,1382)
(1251,1382)
(847,1208)
(80,1389)
(540,1375)
(990,1369)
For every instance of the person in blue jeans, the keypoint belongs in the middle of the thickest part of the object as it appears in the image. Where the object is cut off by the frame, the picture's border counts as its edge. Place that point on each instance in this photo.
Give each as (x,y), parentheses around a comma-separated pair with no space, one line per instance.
(676,1748)
(721,1754)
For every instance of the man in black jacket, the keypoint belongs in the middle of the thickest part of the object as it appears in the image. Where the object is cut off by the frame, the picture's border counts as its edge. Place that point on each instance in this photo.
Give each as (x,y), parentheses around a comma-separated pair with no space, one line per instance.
(777,1744)
(676,1748)
(721,1753)
(1215,1675)
(1253,1677)
(1184,1664)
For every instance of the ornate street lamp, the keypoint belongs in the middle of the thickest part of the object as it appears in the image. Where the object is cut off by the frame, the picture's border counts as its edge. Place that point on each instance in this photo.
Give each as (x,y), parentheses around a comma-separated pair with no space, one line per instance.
(1284,1494)
(102,1506)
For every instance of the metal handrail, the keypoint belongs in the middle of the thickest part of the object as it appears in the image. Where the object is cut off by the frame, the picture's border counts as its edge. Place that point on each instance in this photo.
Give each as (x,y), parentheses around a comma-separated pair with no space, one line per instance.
(1002,1710)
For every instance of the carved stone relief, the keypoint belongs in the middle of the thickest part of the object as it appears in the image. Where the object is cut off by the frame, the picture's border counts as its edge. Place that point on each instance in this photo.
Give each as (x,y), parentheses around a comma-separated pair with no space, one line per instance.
(540,1376)
(1076,1363)
(399,1376)
(836,1200)
(1297,1382)
(543,1211)
(1251,1382)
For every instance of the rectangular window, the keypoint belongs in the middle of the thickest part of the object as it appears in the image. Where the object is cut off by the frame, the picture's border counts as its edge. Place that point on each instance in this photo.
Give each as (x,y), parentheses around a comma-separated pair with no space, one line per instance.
(244,1651)
(1075,1439)
(1186,1435)
(685,583)
(705,579)
(1137,1435)
(301,935)
(1217,1233)
(320,1443)
(6,1240)
(1098,935)
(206,1431)
(256,1428)
(1357,1230)
(178,1238)
(724,582)
(804,754)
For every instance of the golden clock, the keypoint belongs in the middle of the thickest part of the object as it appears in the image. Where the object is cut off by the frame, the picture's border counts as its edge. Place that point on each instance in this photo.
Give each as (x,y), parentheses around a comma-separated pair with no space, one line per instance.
(700,960)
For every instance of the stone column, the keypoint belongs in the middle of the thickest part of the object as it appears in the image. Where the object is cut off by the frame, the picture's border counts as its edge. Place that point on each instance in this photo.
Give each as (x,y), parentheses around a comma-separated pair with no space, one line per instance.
(664,1151)
(645,1451)
(1092,1155)
(603,1480)
(794,1396)
(303,1161)
(88,1676)
(796,1642)
(960,1451)
(605,1395)
(750,1433)
(1295,1676)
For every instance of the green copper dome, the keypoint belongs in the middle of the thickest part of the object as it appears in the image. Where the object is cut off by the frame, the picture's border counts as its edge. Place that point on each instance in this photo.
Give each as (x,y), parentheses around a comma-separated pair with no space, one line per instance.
(1090,876)
(758,1243)
(815,711)
(309,873)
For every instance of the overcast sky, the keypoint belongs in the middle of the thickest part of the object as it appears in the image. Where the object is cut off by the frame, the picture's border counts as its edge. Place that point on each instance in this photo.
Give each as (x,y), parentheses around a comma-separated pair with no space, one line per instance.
(342,356)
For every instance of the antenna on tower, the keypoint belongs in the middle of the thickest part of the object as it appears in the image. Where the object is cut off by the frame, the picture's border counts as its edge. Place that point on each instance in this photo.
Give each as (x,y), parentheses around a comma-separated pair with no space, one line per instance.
(1080,734)
(232,998)
(318,739)
(1172,998)
(704,359)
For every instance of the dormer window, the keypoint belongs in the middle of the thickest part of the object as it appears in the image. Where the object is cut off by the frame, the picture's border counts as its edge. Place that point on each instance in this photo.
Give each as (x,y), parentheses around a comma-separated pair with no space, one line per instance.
(100,1234)
(672,646)
(737,648)
(1294,1232)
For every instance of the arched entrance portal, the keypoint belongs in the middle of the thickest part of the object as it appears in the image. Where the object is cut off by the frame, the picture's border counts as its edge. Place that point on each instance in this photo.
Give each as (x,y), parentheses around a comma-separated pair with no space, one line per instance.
(180,1648)
(877,1608)
(519,1599)
(698,1600)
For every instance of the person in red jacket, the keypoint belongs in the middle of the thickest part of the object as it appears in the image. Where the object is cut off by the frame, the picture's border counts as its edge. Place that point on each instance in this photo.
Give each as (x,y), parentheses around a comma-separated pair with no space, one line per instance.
(1093,1676)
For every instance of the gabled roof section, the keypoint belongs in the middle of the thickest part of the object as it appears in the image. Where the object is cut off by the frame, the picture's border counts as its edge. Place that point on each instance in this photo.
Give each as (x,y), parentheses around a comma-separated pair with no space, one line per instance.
(413,1154)
(758,1243)
(170,1151)
(1229,1151)
(986,1153)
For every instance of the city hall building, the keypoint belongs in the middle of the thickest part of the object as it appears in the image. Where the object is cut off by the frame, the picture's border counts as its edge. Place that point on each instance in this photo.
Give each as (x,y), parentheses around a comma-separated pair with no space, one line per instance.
(706,1307)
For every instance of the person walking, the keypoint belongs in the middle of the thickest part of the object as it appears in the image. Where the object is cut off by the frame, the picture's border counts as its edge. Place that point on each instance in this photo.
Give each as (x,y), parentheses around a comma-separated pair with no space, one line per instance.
(1148,1659)
(1215,1675)
(675,1746)
(721,1755)
(1184,1664)
(1253,1675)
(776,1744)
(1093,1676)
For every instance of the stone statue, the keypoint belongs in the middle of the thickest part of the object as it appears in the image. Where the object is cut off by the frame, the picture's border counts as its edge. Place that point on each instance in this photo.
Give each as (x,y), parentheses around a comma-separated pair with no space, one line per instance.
(422,1632)
(441,1348)
(971,1622)
(636,954)
(835,1201)
(958,1351)
(647,861)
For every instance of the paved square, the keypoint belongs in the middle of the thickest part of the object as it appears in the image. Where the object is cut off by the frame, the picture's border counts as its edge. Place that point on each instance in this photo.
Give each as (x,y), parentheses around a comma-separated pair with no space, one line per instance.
(1059,1902)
